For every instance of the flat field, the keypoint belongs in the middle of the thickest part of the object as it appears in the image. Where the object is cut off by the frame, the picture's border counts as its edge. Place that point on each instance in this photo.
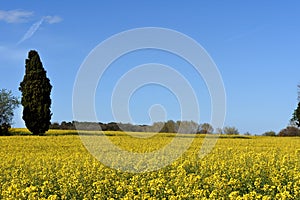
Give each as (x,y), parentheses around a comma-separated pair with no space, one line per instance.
(58,166)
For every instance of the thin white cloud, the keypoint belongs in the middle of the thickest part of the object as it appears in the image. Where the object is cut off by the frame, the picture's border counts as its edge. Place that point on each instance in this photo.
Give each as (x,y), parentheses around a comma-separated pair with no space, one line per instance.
(36,26)
(15,16)
(53,19)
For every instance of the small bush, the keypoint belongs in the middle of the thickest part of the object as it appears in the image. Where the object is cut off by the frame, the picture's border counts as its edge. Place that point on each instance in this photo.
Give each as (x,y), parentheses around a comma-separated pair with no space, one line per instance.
(247,134)
(269,133)
(4,129)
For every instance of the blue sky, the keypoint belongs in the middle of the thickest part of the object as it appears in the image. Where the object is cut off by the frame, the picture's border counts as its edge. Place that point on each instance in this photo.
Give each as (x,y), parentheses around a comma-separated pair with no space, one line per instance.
(255,45)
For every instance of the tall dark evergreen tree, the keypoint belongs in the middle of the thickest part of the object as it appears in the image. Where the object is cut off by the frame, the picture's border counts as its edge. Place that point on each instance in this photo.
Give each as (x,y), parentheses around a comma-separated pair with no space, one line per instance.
(36,90)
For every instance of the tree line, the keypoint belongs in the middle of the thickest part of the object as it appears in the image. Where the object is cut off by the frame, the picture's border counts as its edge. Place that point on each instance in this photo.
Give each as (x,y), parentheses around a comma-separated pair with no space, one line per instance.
(166,127)
(163,127)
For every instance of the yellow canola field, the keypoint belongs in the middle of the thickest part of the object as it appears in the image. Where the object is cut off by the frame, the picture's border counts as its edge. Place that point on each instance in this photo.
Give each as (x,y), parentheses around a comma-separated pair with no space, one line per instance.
(60,167)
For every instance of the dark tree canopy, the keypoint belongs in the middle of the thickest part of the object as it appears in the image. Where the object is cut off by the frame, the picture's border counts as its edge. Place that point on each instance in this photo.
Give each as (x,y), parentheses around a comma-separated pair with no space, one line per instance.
(205,128)
(296,115)
(169,127)
(289,131)
(36,90)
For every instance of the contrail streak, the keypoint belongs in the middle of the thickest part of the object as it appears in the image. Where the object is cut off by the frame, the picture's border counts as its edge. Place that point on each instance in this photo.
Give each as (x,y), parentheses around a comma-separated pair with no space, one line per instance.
(31,30)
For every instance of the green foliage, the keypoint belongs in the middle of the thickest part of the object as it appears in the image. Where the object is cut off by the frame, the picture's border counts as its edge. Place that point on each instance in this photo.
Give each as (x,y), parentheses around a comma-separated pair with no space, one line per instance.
(8,103)
(296,116)
(4,129)
(36,90)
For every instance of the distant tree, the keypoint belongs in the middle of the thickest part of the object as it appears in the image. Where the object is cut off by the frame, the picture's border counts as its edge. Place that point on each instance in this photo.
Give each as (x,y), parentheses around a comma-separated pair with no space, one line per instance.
(169,127)
(113,126)
(103,126)
(205,128)
(130,127)
(219,130)
(67,125)
(289,131)
(247,134)
(187,127)
(230,130)
(91,126)
(269,133)
(156,127)
(36,90)
(296,114)
(54,125)
(8,103)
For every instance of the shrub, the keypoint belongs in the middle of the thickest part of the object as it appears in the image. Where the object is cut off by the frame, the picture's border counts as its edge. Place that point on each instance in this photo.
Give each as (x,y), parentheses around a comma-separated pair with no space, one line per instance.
(4,129)
(269,133)
(289,131)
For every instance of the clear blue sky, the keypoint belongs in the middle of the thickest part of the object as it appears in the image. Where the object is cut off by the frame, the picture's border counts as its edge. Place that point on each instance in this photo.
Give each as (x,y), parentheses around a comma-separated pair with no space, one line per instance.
(255,45)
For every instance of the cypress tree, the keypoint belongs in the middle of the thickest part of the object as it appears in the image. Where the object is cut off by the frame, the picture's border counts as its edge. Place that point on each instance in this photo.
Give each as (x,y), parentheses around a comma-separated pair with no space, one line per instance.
(36,90)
